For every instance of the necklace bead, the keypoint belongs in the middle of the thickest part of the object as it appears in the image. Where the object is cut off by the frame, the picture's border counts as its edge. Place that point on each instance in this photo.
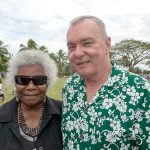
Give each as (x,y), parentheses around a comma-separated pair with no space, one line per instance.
(33,132)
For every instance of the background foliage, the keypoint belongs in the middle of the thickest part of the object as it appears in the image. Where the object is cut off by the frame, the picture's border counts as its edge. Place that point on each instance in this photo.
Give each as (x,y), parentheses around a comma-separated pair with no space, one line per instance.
(129,53)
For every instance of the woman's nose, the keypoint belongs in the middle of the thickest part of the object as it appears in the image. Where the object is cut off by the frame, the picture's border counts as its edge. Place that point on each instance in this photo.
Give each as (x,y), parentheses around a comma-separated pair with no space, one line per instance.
(31,85)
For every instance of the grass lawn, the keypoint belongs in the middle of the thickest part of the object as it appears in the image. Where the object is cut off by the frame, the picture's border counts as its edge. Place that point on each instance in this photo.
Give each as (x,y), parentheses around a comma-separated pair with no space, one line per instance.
(55,92)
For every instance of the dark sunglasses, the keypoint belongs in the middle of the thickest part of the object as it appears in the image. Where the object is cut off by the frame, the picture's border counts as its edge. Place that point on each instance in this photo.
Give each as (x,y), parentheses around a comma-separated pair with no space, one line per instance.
(24,80)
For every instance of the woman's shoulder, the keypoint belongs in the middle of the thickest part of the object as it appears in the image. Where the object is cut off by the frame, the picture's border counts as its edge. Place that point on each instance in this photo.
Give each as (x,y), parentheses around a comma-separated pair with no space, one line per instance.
(55,105)
(7,108)
(8,105)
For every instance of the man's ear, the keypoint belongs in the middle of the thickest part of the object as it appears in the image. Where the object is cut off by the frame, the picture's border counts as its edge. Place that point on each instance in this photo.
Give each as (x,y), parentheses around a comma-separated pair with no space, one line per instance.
(108,44)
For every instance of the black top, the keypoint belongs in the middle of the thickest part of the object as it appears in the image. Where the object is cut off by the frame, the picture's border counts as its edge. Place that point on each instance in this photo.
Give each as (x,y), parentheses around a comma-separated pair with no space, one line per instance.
(50,135)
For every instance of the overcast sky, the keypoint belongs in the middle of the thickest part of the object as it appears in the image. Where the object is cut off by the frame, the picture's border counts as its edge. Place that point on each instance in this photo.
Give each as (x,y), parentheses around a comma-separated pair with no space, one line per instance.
(46,21)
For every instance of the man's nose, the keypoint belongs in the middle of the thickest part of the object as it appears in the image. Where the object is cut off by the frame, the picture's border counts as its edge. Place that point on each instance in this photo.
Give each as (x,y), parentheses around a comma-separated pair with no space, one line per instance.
(79,52)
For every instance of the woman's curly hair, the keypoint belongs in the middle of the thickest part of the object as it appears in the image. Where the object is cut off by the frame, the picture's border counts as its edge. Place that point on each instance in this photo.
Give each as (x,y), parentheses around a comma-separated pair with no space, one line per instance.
(31,57)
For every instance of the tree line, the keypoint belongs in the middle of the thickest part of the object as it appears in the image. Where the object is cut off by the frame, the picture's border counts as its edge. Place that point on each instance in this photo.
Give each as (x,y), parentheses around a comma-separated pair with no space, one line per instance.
(129,53)
(60,57)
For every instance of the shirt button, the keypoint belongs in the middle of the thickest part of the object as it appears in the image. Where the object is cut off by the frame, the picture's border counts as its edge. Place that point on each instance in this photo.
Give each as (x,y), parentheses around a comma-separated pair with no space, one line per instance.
(81,136)
(86,109)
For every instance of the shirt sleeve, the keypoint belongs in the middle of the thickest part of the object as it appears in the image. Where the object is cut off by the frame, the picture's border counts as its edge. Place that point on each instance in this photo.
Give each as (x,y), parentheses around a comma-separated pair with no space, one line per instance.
(141,127)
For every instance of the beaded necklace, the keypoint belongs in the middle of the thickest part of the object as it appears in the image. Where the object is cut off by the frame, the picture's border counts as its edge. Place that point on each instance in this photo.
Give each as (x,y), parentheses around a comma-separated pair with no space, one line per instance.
(33,132)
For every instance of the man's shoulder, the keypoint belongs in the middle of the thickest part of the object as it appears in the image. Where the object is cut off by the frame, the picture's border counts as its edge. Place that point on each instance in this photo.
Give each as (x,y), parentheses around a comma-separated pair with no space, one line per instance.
(134,79)
(74,79)
(127,77)
(138,80)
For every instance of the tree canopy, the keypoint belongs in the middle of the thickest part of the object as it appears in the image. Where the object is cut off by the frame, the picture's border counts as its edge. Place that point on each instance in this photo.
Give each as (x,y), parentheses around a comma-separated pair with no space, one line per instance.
(4,56)
(130,52)
(148,63)
(31,44)
(61,59)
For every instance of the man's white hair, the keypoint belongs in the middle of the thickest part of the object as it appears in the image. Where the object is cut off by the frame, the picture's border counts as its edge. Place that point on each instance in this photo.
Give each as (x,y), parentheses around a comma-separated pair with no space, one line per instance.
(31,57)
(99,22)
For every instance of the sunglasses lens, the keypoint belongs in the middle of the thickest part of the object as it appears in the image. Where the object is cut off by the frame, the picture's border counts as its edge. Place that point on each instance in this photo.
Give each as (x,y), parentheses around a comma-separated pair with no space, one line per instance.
(24,80)
(39,80)
(21,81)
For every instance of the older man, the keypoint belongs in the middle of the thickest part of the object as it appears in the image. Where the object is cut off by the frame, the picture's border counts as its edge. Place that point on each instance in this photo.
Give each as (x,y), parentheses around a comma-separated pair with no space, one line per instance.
(104,106)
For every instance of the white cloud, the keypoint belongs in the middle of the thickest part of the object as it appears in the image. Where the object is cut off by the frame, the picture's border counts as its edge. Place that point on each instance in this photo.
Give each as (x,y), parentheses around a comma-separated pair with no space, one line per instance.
(46,21)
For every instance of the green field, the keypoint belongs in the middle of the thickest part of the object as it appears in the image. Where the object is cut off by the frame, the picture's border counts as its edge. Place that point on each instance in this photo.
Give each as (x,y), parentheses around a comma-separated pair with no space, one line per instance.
(55,92)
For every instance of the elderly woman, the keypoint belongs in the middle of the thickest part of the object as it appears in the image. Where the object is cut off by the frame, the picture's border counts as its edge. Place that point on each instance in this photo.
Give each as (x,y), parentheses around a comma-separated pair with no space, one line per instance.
(31,120)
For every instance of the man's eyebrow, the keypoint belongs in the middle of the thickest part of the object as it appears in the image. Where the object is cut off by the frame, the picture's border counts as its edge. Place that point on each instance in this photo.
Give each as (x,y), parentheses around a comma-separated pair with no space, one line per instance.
(70,44)
(82,40)
(86,39)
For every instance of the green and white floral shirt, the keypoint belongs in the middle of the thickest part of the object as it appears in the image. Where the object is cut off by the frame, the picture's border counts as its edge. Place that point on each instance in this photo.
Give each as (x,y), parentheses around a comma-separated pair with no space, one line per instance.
(117,118)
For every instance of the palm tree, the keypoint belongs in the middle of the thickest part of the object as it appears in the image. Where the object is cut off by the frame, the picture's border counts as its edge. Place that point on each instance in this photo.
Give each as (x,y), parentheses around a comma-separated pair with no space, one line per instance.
(61,59)
(31,44)
(4,55)
(53,56)
(43,48)
(148,63)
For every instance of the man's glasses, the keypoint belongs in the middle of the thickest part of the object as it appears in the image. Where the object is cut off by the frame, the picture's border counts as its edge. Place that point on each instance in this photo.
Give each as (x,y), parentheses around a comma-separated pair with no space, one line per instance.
(24,80)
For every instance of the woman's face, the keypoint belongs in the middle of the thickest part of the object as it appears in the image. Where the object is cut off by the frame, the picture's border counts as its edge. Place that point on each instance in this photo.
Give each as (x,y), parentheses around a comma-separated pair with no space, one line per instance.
(31,95)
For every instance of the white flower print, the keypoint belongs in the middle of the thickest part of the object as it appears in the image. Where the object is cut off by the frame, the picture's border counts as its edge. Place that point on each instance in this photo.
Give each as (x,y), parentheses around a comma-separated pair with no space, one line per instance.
(71,91)
(137,128)
(111,80)
(93,114)
(107,103)
(117,129)
(71,144)
(76,107)
(147,86)
(134,95)
(77,125)
(76,81)
(64,96)
(138,115)
(80,123)
(78,147)
(65,110)
(120,105)
(94,141)
(147,114)
(148,141)
(80,99)
(124,79)
(96,96)
(117,116)
(124,147)
(86,137)
(69,125)
(110,137)
(124,118)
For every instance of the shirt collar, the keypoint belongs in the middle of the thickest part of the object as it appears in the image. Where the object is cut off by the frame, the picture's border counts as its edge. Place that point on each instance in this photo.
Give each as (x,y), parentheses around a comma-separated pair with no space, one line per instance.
(113,79)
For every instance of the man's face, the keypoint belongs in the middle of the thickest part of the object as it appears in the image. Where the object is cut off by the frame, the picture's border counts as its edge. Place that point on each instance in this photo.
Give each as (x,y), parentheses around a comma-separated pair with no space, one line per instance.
(87,49)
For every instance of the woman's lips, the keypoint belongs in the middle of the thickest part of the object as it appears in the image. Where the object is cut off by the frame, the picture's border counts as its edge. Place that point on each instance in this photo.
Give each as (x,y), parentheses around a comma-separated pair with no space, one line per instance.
(31,95)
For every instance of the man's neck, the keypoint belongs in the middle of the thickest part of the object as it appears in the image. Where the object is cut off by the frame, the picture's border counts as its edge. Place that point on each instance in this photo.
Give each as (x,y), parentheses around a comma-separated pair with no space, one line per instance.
(100,78)
(94,83)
